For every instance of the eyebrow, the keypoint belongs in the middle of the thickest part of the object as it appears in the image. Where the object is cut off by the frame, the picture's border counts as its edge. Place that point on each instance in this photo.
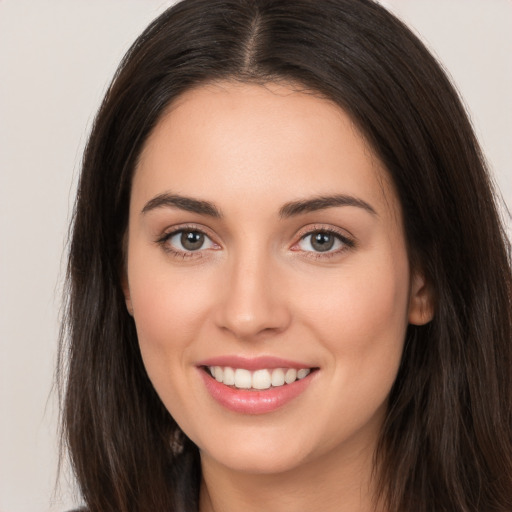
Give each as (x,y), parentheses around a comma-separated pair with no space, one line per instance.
(183,203)
(290,209)
(322,202)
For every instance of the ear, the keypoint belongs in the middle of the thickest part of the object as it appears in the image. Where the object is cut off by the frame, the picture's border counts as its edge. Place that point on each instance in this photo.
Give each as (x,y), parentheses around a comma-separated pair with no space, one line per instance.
(124,276)
(421,301)
(127,294)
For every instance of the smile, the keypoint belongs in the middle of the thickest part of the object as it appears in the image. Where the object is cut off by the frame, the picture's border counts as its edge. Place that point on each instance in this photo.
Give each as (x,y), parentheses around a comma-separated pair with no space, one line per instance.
(240,378)
(255,386)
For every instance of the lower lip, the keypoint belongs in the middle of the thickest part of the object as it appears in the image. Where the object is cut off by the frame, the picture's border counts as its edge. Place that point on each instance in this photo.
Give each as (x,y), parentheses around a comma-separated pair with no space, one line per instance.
(254,402)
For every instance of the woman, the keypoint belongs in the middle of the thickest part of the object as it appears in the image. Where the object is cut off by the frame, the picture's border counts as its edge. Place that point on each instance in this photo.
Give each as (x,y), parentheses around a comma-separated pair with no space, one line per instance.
(289,284)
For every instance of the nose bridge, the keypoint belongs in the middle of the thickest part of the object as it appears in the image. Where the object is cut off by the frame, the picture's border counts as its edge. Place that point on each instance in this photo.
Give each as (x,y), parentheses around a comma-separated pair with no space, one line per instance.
(252,302)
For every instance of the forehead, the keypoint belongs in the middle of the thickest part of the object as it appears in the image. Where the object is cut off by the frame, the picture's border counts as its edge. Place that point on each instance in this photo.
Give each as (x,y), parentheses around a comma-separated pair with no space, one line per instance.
(230,140)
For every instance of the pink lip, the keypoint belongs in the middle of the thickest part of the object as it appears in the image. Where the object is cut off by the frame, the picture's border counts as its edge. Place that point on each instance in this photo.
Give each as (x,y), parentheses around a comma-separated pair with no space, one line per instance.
(252,364)
(253,402)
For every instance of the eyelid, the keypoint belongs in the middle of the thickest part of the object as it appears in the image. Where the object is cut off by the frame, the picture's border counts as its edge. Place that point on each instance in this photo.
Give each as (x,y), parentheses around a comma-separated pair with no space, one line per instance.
(171,231)
(346,238)
(326,228)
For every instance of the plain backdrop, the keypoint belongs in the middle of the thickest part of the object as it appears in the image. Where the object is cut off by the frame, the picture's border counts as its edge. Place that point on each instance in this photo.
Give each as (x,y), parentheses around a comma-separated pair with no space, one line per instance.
(56,59)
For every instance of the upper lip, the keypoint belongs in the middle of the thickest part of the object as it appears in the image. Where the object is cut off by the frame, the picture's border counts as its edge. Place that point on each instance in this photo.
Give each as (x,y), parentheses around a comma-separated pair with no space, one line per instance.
(253,363)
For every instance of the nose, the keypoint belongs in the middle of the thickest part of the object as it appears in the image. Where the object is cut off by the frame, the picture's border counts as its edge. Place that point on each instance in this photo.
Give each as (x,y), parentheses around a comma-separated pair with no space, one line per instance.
(253,301)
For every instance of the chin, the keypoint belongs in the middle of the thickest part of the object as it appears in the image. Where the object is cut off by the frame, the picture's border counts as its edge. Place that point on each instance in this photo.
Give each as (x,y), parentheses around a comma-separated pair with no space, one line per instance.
(257,462)
(253,452)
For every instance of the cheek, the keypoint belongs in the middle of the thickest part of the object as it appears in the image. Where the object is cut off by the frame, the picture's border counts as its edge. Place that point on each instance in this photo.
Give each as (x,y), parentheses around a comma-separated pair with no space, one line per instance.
(169,310)
(360,316)
(361,324)
(378,294)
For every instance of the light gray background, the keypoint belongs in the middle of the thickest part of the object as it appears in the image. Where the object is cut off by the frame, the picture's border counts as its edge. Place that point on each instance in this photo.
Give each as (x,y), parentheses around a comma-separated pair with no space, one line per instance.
(56,59)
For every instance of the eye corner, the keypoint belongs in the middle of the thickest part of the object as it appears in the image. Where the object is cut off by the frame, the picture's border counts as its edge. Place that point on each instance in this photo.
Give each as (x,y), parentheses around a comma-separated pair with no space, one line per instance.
(339,243)
(173,241)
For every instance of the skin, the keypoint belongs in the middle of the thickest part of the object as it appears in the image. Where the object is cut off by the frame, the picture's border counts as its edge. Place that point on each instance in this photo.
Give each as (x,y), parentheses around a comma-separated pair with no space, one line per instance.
(258,287)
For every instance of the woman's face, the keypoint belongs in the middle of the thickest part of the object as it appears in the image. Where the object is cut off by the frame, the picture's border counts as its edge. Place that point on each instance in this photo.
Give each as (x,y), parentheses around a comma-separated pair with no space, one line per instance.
(266,242)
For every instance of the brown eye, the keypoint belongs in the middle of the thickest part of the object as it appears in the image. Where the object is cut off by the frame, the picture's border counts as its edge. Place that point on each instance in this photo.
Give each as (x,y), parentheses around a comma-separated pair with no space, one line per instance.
(322,242)
(188,241)
(192,240)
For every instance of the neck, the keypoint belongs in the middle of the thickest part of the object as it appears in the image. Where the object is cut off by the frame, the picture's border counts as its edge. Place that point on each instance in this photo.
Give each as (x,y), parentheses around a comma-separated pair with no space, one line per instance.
(331,483)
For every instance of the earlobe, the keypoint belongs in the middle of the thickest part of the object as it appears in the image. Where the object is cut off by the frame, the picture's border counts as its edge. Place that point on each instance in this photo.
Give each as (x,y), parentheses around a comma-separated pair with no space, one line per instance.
(129,306)
(127,295)
(421,302)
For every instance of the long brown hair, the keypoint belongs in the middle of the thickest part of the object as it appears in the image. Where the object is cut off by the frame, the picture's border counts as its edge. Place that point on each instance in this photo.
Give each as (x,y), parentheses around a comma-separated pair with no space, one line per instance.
(446,444)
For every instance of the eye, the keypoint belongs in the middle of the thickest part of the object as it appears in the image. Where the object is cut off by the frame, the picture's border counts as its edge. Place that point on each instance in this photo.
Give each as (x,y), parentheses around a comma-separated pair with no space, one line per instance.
(187,241)
(323,241)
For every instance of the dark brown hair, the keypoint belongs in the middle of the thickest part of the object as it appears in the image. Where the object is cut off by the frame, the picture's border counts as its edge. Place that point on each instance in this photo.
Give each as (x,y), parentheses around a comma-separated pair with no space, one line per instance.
(446,444)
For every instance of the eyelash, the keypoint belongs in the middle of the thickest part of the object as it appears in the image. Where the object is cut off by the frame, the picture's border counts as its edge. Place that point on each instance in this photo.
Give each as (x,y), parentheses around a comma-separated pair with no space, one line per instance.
(346,241)
(163,241)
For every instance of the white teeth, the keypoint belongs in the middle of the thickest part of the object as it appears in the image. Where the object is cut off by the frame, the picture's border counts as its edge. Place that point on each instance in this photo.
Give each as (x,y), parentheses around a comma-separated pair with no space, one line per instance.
(243,379)
(277,377)
(259,379)
(218,373)
(290,375)
(229,376)
(303,372)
